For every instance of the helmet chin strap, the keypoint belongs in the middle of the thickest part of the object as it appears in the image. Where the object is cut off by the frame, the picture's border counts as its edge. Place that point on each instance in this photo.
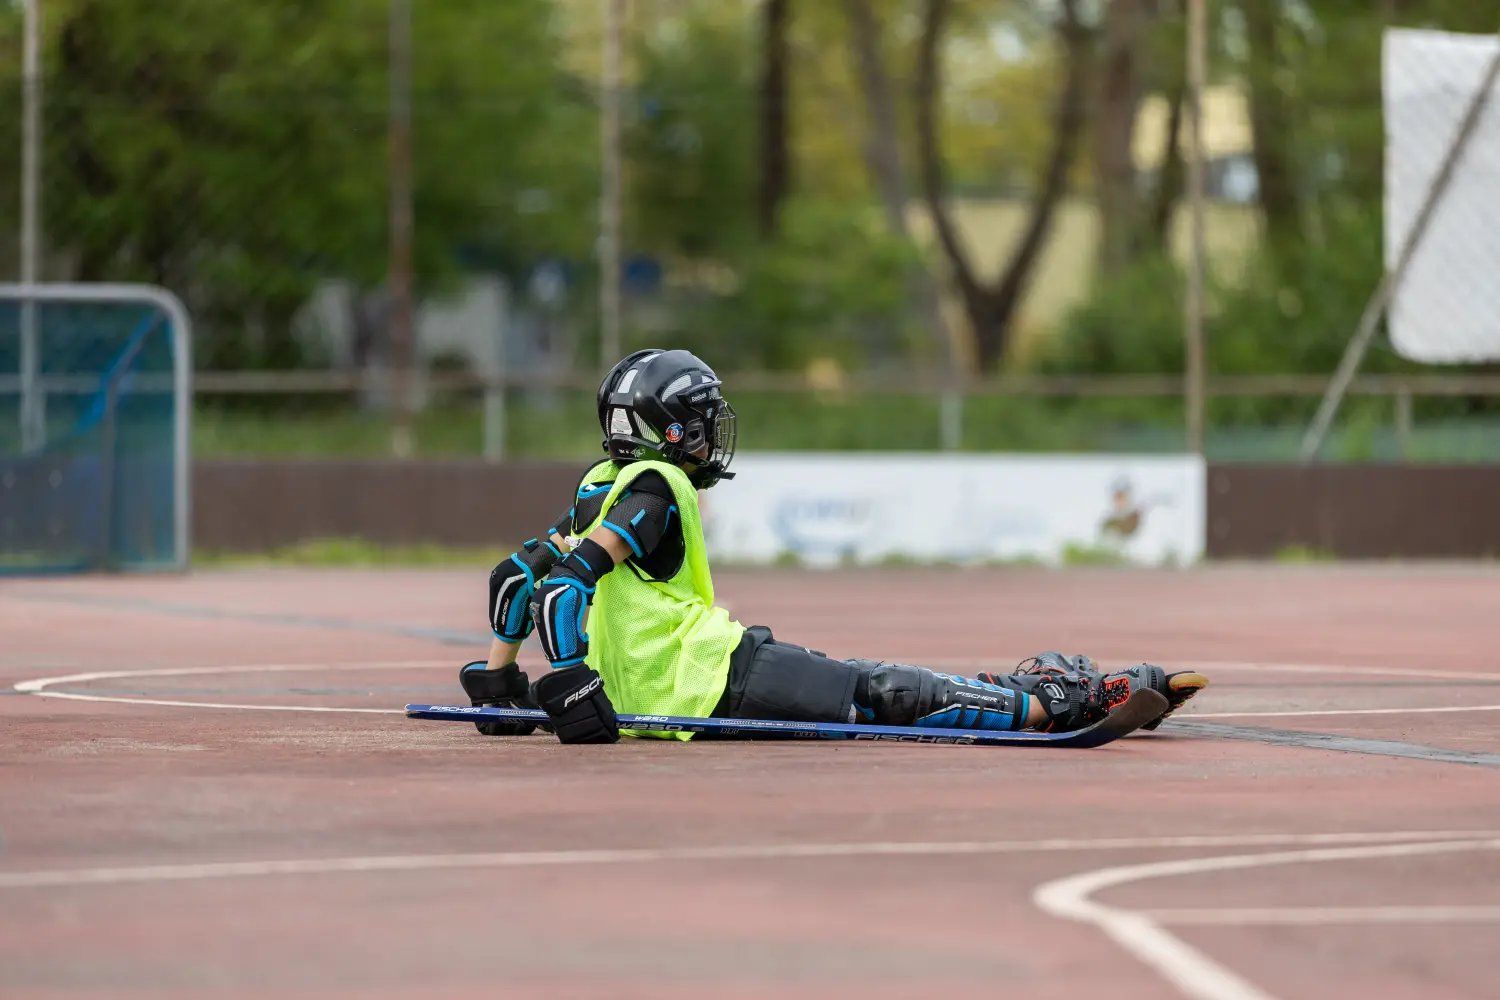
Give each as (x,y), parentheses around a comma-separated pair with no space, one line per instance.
(697,469)
(694,462)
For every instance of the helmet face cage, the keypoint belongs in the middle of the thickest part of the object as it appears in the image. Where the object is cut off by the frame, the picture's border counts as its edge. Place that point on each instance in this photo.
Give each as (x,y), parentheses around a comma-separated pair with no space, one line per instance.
(726,435)
(707,443)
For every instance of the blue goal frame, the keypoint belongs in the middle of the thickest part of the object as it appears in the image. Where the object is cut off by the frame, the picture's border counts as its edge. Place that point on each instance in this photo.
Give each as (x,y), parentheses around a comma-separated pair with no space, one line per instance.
(176,315)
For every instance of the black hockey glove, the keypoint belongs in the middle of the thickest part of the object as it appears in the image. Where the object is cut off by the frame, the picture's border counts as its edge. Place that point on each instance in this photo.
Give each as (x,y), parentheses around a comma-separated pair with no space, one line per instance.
(507,687)
(512,584)
(574,699)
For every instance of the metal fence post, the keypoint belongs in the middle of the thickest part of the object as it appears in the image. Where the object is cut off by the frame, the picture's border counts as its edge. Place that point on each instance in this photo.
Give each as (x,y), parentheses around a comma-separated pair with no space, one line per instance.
(33,428)
(609,195)
(1193,304)
(1403,422)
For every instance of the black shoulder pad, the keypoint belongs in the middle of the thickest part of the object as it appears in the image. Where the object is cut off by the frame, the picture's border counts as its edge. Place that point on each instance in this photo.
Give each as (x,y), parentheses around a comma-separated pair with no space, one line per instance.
(641,519)
(652,482)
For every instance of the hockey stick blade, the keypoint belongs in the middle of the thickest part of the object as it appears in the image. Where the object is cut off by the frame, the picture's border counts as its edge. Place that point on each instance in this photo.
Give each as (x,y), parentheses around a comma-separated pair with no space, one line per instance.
(1141,708)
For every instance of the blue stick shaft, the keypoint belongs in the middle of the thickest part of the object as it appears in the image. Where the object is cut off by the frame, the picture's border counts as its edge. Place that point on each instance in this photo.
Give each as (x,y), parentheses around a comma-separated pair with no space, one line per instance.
(762,728)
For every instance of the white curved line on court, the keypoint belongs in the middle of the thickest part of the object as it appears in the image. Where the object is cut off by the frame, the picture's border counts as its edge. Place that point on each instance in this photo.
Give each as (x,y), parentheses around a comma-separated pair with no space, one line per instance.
(1195,974)
(1322,916)
(749,852)
(39,685)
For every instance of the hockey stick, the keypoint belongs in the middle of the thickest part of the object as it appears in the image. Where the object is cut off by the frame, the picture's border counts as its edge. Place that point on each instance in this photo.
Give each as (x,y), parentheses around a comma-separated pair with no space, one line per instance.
(1141,708)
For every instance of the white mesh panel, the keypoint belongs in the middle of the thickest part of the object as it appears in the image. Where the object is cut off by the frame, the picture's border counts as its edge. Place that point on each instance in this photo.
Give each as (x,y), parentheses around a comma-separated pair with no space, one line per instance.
(619,423)
(679,383)
(1447,308)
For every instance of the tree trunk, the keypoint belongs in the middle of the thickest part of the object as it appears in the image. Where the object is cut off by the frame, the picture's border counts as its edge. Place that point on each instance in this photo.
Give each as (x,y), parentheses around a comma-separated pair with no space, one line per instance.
(1270,123)
(991,310)
(775,154)
(882,150)
(882,147)
(1067,125)
(1169,177)
(1117,95)
(930,161)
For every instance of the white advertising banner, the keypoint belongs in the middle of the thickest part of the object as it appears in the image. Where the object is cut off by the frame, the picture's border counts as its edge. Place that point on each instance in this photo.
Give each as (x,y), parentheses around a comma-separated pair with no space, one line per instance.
(826,508)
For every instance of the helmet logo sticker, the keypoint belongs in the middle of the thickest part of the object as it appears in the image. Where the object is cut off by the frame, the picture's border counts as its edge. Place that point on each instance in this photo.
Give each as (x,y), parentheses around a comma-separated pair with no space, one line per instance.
(674,433)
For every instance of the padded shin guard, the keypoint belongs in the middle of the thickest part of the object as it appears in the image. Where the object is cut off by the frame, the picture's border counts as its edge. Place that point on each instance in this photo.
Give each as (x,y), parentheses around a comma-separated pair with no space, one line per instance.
(894,694)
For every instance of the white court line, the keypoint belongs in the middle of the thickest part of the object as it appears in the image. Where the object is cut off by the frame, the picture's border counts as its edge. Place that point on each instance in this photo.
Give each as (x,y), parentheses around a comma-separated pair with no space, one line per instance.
(1190,716)
(1193,973)
(39,686)
(1006,665)
(1319,916)
(749,852)
(1339,668)
(217,704)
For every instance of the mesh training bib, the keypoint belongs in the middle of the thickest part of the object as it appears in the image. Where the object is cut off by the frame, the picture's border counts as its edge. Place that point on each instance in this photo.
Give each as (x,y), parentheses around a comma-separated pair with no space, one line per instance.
(660,645)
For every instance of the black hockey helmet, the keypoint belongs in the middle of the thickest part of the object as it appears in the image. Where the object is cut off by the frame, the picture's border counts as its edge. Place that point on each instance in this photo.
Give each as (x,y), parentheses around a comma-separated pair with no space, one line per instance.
(667,405)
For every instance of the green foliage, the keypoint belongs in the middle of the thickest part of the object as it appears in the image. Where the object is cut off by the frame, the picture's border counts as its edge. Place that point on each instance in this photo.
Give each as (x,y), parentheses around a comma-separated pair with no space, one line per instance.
(1300,305)
(1130,324)
(506,142)
(344,553)
(560,425)
(1292,312)
(691,143)
(237,152)
(564,428)
(1299,554)
(1074,554)
(834,285)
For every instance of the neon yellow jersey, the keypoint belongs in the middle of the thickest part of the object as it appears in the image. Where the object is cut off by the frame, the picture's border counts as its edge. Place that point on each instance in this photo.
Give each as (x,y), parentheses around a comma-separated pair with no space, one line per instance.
(660,645)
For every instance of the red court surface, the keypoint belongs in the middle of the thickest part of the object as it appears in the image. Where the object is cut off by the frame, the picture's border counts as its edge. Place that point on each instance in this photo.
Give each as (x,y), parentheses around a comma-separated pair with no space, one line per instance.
(1324,821)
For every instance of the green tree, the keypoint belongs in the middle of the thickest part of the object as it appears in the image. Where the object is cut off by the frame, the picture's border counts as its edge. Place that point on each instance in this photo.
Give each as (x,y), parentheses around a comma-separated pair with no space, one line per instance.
(236,151)
(833,286)
(991,306)
(691,143)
